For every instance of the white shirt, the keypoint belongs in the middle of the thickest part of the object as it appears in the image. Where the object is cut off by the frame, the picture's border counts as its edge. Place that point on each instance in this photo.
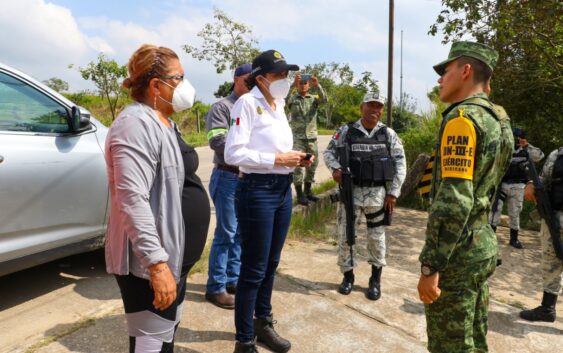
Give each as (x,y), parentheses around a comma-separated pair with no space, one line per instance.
(256,134)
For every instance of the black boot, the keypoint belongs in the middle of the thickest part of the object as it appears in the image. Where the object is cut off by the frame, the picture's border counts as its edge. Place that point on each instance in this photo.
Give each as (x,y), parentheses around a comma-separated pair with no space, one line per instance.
(246,347)
(374,289)
(514,242)
(347,283)
(301,198)
(309,193)
(544,312)
(265,333)
(494,228)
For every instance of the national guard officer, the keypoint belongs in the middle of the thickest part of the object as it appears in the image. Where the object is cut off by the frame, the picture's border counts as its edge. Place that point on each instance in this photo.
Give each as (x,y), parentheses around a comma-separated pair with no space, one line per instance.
(473,153)
(551,266)
(513,183)
(378,166)
(303,108)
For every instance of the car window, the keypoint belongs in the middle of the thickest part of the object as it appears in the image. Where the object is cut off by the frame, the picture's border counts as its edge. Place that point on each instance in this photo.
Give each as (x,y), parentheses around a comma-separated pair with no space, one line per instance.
(23,108)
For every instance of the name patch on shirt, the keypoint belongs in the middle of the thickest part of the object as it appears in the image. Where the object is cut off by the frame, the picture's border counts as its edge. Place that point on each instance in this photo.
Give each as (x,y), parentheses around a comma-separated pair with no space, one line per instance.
(359,147)
(458,148)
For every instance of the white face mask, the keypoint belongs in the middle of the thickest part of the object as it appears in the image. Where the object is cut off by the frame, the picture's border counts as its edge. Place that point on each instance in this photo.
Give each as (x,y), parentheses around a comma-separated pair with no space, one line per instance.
(183,96)
(279,88)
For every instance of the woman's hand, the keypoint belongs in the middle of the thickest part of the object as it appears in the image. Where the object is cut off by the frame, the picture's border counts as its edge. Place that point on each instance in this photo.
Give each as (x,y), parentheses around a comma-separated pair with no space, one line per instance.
(307,162)
(289,159)
(163,284)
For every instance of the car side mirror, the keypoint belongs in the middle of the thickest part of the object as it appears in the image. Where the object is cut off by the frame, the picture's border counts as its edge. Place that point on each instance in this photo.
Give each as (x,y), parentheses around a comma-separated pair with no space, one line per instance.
(78,121)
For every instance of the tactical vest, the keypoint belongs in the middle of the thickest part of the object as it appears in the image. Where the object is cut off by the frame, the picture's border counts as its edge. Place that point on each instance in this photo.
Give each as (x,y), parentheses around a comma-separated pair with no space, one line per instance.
(515,174)
(370,160)
(556,192)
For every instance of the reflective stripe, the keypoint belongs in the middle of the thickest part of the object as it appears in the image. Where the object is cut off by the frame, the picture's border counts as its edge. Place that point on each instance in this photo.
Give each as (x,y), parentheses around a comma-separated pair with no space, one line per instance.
(216,132)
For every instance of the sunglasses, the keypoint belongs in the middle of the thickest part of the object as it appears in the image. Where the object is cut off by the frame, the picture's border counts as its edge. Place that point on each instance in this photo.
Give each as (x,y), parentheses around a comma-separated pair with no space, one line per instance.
(177,77)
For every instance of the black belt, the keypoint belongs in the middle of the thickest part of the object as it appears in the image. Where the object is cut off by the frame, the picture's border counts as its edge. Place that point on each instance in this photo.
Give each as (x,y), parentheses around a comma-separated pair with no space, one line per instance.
(273,177)
(228,168)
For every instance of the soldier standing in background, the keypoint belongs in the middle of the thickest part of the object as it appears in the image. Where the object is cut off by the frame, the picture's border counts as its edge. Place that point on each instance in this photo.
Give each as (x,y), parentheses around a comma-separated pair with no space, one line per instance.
(551,266)
(459,254)
(303,108)
(370,145)
(513,183)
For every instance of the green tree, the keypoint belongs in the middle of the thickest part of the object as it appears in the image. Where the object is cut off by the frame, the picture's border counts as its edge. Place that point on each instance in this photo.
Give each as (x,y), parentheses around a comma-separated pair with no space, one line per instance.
(224,89)
(528,79)
(367,84)
(226,43)
(57,84)
(106,75)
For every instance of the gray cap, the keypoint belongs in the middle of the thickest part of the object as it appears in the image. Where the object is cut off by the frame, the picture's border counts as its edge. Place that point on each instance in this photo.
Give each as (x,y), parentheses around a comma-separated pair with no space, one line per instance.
(373,97)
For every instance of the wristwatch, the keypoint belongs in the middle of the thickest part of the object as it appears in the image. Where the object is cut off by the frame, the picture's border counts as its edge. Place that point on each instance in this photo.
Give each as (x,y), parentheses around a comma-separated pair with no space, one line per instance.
(427,270)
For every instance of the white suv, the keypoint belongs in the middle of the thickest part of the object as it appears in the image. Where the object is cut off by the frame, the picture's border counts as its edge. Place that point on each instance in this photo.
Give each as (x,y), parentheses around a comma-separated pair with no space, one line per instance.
(53,183)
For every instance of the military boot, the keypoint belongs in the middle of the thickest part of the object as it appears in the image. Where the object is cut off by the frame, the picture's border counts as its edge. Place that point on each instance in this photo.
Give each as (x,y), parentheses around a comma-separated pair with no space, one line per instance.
(514,242)
(544,312)
(309,193)
(265,333)
(347,283)
(374,288)
(301,198)
(494,228)
(245,347)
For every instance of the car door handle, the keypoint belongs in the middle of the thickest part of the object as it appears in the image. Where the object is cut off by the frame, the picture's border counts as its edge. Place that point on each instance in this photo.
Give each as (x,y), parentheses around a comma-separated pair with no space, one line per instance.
(1,159)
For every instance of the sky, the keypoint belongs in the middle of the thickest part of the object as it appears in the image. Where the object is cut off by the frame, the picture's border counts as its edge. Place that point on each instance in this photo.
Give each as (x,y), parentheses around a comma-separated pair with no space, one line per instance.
(43,37)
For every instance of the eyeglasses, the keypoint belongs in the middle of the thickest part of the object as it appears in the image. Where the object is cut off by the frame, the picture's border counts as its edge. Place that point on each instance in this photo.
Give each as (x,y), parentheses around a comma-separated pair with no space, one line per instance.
(176,77)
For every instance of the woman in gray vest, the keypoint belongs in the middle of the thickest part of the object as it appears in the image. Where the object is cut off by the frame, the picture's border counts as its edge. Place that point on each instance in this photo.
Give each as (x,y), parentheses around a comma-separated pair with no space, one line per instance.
(145,242)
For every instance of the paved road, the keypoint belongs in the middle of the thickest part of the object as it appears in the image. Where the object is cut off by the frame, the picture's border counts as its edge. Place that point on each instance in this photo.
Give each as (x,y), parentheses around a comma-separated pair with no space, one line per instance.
(62,292)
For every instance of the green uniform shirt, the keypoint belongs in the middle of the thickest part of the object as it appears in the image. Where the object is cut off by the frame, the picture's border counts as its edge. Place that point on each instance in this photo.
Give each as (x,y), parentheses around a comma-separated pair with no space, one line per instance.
(302,111)
(472,156)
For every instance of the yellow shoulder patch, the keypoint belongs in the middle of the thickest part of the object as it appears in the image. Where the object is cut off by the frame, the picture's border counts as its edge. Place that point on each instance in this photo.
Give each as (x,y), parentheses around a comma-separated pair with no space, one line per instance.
(458,145)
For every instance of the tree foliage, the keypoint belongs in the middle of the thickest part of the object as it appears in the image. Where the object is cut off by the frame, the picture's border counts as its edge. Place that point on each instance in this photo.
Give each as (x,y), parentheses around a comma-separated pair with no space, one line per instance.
(528,79)
(106,75)
(57,84)
(226,43)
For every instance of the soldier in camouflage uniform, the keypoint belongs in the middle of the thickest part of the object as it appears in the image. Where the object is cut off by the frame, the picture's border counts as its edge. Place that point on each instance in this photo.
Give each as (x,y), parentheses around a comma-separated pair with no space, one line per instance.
(551,266)
(371,198)
(512,187)
(303,108)
(459,254)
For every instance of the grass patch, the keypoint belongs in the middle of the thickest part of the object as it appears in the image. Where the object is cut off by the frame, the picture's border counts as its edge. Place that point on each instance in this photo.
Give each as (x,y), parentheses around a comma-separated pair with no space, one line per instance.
(201,265)
(322,131)
(324,186)
(53,338)
(314,225)
(196,139)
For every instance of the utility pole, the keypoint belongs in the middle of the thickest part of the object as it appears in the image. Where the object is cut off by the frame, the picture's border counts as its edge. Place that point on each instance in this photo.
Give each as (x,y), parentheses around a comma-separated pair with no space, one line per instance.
(401,86)
(390,69)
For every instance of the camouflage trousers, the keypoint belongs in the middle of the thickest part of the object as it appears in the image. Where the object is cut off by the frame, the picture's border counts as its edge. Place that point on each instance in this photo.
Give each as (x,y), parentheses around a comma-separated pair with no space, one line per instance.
(375,236)
(307,146)
(513,195)
(551,266)
(458,320)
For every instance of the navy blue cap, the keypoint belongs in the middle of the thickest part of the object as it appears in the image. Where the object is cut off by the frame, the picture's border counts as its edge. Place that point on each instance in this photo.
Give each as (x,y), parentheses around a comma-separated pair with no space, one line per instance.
(243,70)
(518,132)
(271,61)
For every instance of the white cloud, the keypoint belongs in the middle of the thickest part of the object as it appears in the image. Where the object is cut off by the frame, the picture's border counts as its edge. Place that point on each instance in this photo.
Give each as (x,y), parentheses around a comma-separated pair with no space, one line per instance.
(48,38)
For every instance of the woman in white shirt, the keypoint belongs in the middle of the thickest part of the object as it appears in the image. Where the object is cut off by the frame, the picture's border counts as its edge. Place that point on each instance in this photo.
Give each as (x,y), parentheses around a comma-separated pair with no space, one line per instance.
(259,142)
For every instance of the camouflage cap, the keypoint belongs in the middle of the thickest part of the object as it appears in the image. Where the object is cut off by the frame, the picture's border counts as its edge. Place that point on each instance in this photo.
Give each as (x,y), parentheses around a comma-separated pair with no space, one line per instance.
(373,97)
(475,50)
